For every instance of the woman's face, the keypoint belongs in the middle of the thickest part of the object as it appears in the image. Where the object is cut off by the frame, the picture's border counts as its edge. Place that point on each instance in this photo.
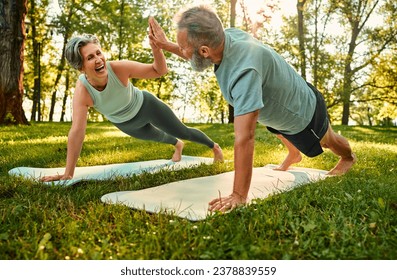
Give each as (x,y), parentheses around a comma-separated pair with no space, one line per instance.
(94,62)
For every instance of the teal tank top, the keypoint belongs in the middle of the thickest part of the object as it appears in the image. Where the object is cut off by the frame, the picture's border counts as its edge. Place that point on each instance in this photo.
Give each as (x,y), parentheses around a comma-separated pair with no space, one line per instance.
(118,103)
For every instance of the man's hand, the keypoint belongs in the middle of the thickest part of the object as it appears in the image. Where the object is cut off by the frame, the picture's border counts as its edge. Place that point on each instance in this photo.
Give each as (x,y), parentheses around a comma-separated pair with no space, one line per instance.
(224,204)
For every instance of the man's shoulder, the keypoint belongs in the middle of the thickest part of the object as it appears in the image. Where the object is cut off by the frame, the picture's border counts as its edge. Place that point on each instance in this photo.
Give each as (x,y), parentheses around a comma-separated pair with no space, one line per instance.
(243,47)
(236,33)
(241,39)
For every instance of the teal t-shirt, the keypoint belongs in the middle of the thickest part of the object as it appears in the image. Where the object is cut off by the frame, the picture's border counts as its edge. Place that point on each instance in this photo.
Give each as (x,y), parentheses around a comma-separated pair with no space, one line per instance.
(252,76)
(117,102)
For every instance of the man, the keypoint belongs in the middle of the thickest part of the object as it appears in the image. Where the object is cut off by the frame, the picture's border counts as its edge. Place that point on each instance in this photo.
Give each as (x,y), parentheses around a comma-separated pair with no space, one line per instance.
(261,87)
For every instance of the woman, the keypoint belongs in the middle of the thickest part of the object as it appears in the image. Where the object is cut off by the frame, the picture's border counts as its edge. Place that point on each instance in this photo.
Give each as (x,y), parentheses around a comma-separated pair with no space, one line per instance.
(105,85)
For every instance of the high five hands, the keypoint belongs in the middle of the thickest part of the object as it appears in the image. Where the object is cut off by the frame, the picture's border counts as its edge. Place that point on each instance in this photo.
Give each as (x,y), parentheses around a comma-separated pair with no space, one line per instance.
(156,34)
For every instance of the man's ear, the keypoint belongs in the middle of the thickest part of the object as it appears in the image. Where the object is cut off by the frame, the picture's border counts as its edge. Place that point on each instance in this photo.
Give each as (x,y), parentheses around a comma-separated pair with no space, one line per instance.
(204,51)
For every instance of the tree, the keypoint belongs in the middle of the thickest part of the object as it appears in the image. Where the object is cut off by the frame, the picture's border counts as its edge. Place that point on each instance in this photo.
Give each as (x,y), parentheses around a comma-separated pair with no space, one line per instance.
(37,15)
(63,23)
(232,24)
(301,37)
(314,58)
(349,67)
(319,56)
(340,63)
(12,26)
(357,14)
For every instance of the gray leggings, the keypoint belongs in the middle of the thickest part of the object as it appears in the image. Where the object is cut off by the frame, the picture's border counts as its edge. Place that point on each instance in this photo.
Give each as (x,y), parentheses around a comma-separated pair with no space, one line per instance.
(157,122)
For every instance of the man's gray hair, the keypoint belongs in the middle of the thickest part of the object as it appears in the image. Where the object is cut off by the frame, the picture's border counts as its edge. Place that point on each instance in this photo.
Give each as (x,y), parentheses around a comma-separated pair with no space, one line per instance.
(203,26)
(72,51)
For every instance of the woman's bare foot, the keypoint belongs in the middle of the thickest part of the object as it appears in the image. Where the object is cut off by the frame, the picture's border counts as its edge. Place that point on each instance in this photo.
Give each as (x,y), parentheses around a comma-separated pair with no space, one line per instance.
(177,156)
(288,161)
(218,154)
(343,165)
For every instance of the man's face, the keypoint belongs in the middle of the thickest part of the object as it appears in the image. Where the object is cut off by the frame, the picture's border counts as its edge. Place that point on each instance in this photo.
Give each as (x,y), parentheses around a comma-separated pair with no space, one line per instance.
(197,61)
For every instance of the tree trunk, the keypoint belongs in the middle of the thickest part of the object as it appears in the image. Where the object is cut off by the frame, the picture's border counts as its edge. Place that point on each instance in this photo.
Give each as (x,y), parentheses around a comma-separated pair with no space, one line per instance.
(65,98)
(12,27)
(61,67)
(316,44)
(36,104)
(232,24)
(348,73)
(62,63)
(121,26)
(357,14)
(301,36)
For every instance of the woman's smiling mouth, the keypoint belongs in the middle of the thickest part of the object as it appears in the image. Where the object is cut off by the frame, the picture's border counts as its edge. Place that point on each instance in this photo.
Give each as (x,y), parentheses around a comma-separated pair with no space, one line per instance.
(99,68)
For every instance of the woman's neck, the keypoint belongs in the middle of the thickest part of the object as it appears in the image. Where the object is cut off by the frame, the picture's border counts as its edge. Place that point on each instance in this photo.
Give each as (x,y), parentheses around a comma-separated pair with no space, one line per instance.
(97,84)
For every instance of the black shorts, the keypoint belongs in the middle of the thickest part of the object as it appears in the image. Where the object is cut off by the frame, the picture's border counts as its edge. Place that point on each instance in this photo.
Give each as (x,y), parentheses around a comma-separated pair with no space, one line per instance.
(308,140)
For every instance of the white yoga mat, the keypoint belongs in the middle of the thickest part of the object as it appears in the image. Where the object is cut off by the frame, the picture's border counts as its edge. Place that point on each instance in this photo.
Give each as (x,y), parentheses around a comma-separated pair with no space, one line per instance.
(189,198)
(105,172)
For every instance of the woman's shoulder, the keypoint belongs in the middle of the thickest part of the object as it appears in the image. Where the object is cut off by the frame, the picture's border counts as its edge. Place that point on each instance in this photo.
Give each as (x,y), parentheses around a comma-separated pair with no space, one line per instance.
(115,64)
(80,88)
(81,94)
(120,69)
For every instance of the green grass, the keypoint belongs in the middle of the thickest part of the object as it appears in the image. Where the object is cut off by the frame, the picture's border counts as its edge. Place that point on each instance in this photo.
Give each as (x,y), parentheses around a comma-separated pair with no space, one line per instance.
(348,217)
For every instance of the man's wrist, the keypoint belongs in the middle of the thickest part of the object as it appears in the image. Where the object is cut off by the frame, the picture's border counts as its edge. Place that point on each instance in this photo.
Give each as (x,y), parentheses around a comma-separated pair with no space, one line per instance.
(239,196)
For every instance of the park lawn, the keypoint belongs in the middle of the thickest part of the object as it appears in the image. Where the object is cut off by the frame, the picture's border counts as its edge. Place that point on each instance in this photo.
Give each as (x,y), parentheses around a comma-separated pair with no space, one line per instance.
(349,217)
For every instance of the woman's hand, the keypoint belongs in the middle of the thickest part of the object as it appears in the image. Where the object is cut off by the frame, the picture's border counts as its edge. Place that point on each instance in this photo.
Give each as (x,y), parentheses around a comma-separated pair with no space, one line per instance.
(227,203)
(57,177)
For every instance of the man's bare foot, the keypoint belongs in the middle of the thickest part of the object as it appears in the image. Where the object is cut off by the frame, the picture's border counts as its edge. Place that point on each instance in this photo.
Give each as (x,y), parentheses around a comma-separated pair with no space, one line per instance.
(288,161)
(218,154)
(177,156)
(343,165)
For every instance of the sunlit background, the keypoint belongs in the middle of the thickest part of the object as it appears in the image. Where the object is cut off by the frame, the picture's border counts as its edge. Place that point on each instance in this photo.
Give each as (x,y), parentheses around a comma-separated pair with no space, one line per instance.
(271,15)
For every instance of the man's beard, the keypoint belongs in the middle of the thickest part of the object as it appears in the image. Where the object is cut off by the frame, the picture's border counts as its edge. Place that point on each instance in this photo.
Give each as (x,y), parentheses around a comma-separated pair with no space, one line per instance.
(200,63)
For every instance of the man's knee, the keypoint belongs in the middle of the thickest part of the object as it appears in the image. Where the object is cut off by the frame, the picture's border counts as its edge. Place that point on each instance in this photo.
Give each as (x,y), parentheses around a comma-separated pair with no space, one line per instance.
(331,139)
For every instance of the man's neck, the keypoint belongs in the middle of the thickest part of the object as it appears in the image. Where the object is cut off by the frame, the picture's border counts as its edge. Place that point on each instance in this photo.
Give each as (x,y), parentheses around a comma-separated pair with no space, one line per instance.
(218,53)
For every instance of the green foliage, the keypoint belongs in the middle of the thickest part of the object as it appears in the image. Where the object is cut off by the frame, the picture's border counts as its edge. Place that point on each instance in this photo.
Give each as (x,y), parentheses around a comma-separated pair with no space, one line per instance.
(121,26)
(341,62)
(213,106)
(348,217)
(9,119)
(382,94)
